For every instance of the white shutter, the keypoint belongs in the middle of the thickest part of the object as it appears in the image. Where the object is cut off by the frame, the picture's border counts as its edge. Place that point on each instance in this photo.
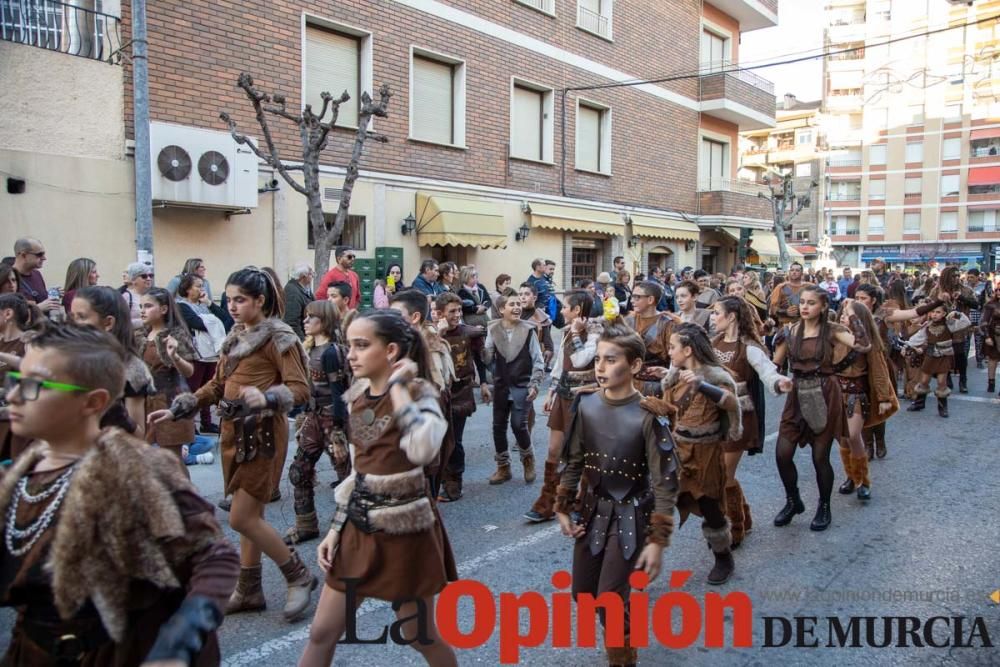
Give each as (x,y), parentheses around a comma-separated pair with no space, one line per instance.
(876,189)
(333,66)
(911,222)
(527,122)
(915,151)
(433,101)
(949,185)
(949,221)
(592,5)
(876,224)
(588,139)
(951,149)
(876,154)
(913,185)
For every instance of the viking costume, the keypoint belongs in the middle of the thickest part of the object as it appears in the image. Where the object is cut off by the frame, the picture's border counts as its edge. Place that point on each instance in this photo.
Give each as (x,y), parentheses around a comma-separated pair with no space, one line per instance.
(443,376)
(254,443)
(627,457)
(938,341)
(167,385)
(967,304)
(990,328)
(466,345)
(112,560)
(543,324)
(783,297)
(519,367)
(655,333)
(752,370)
(11,445)
(391,535)
(323,429)
(138,384)
(892,351)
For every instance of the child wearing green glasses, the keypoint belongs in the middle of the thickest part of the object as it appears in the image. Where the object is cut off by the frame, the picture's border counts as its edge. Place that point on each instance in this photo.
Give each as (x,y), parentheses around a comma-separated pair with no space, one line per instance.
(65,547)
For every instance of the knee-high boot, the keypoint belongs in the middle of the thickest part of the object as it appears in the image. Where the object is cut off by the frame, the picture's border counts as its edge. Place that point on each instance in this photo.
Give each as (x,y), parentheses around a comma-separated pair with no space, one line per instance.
(861,479)
(542,509)
(879,433)
(734,510)
(845,456)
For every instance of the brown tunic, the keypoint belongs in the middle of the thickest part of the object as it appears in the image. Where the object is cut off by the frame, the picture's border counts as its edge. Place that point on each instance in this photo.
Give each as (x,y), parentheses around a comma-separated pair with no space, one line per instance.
(263,368)
(167,385)
(389,566)
(734,357)
(990,325)
(783,297)
(559,418)
(793,427)
(702,467)
(937,333)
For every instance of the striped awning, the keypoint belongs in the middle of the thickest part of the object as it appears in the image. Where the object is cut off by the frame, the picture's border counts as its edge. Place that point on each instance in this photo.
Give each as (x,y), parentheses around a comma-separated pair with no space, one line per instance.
(456,221)
(662,228)
(573,219)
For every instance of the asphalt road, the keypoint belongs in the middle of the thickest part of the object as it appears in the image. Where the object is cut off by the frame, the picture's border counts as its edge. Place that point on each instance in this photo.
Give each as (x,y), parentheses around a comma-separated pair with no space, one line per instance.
(923,547)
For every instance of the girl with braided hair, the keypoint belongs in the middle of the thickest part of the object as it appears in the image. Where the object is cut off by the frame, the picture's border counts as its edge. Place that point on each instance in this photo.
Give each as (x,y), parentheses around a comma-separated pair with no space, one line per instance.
(740,350)
(814,411)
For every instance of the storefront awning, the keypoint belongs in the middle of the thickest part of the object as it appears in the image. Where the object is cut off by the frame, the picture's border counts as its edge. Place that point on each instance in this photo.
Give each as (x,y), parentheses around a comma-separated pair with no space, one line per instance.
(988,133)
(454,221)
(661,228)
(765,244)
(984,175)
(571,219)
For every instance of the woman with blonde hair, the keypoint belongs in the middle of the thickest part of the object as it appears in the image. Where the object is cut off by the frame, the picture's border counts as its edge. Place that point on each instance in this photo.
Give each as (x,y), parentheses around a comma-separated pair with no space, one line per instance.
(81,272)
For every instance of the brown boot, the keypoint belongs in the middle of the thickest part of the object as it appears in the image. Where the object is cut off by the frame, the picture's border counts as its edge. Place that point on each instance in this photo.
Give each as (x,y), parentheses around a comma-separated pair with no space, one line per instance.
(306,528)
(301,584)
(848,486)
(528,462)
(624,656)
(734,510)
(747,519)
(502,474)
(542,509)
(720,541)
(868,436)
(249,594)
(879,433)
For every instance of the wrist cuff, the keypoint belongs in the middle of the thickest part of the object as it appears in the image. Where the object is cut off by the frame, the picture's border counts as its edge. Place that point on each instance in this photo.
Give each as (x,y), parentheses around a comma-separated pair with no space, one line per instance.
(714,394)
(565,499)
(661,527)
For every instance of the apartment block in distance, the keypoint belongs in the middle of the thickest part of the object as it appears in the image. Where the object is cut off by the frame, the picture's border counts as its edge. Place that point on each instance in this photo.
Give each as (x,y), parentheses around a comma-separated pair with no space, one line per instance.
(914,132)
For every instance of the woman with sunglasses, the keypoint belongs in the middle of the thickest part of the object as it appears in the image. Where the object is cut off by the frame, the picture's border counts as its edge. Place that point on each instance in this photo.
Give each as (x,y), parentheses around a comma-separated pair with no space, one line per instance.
(138,281)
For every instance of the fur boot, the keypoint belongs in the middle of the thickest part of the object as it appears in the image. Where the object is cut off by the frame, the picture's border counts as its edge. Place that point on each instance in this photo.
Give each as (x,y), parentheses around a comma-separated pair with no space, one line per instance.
(868,436)
(301,584)
(542,509)
(861,479)
(624,656)
(747,519)
(734,511)
(306,528)
(249,594)
(849,484)
(720,541)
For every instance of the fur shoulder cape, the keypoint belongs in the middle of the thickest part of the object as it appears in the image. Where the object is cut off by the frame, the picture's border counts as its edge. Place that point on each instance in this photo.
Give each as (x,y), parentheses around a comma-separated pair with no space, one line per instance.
(242,342)
(720,377)
(421,391)
(119,521)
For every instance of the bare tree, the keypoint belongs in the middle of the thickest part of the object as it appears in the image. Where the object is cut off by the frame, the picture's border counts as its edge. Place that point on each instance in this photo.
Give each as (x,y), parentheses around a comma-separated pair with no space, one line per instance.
(314,134)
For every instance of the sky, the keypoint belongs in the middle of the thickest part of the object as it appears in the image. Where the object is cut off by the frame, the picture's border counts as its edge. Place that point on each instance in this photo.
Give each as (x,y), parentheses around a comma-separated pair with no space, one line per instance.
(800,28)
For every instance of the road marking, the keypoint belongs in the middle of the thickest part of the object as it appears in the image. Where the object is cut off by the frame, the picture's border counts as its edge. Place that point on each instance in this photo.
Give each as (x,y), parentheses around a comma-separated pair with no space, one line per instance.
(974,399)
(299,636)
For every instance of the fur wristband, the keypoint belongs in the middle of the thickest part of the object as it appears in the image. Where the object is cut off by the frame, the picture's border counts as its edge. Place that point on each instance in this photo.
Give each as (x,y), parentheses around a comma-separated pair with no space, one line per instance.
(183,406)
(565,500)
(661,527)
(279,398)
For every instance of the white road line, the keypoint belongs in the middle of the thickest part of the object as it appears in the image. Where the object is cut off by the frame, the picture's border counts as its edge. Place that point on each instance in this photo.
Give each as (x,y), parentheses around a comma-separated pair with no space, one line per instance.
(974,399)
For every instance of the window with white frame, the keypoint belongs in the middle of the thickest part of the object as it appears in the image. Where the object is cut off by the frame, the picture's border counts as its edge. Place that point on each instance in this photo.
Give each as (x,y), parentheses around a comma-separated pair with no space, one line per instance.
(876,154)
(915,151)
(951,149)
(595,16)
(531,122)
(949,221)
(876,188)
(803,170)
(804,137)
(949,185)
(844,225)
(714,164)
(983,221)
(876,224)
(913,185)
(845,190)
(437,99)
(336,59)
(911,223)
(593,137)
(714,51)
(544,6)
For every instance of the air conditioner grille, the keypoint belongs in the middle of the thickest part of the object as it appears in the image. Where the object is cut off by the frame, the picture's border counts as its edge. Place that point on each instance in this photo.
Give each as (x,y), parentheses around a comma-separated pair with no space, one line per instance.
(213,167)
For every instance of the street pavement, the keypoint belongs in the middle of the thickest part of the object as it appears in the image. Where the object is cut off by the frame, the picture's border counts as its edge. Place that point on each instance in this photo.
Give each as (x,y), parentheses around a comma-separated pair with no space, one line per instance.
(924,546)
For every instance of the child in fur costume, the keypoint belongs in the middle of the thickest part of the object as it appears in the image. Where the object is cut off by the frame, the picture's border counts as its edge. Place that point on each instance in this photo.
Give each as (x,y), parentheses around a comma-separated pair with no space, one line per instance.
(142,578)
(626,455)
(701,396)
(387,532)
(260,376)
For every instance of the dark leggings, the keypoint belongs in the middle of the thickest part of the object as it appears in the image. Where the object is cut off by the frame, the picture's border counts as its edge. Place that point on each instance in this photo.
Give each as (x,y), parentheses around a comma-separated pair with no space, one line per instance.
(784,456)
(711,511)
(962,359)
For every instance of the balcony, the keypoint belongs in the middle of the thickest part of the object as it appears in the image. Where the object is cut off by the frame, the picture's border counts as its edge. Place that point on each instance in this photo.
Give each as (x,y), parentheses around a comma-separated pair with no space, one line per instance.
(752,14)
(849,102)
(754,158)
(733,198)
(595,22)
(737,96)
(57,26)
(846,32)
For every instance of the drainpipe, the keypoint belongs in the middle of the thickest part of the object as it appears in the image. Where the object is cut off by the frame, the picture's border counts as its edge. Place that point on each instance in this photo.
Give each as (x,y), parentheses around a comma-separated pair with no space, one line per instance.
(140,108)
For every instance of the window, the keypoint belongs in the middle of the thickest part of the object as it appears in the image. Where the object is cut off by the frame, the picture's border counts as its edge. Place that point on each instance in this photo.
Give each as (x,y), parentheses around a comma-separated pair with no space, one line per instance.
(846,225)
(437,101)
(531,123)
(876,224)
(35,22)
(953,112)
(593,138)
(913,186)
(845,190)
(805,137)
(585,259)
(714,164)
(353,233)
(544,6)
(949,185)
(915,114)
(876,154)
(804,170)
(983,221)
(714,54)
(335,61)
(949,221)
(911,223)
(951,149)
(595,16)
(802,235)
(876,188)
(915,151)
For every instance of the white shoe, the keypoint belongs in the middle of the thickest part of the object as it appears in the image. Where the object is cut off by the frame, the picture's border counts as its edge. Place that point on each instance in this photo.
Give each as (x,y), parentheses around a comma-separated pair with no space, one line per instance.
(206,459)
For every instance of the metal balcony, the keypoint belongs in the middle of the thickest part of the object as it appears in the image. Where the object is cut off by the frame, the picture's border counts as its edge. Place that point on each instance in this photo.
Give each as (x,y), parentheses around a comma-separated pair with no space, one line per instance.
(737,96)
(732,198)
(57,26)
(752,14)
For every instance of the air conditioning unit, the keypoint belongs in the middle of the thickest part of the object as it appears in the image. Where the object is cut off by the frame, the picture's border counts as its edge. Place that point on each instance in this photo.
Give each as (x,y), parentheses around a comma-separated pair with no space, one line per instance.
(201,168)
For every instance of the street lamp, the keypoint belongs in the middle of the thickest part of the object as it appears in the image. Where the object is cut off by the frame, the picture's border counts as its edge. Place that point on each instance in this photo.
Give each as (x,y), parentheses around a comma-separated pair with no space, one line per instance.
(522,233)
(409,225)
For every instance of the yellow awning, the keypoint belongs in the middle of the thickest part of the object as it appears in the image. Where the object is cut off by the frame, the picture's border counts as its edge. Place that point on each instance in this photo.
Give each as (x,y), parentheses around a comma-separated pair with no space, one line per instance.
(570,219)
(765,244)
(661,228)
(455,221)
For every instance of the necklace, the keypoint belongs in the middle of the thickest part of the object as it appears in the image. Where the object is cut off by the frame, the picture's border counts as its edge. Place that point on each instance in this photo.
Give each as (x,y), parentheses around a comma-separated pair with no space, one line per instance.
(30,534)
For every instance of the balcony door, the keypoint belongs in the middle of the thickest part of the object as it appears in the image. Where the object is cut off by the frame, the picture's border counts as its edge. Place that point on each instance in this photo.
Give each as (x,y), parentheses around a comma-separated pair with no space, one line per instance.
(714,168)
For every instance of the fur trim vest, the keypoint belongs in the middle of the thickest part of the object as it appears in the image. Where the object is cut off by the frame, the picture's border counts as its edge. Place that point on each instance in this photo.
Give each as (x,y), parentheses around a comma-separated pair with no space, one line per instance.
(732,420)
(242,342)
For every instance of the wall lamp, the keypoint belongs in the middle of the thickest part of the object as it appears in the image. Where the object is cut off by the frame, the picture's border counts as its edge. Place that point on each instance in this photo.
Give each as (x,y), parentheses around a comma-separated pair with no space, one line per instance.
(522,233)
(409,225)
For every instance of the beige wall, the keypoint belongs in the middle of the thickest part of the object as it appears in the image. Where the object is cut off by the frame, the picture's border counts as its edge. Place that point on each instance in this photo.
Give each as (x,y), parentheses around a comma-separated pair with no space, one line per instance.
(60,104)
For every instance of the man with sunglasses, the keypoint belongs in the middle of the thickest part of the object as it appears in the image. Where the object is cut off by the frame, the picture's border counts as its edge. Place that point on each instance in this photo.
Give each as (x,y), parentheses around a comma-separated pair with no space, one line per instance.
(29,256)
(343,273)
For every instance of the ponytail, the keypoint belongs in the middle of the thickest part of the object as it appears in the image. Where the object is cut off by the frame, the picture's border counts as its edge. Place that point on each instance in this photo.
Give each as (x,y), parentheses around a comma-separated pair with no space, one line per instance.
(391,327)
(255,283)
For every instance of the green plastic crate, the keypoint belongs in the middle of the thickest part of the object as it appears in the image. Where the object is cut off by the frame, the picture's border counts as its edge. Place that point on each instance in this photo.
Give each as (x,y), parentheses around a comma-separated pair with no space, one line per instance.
(384,257)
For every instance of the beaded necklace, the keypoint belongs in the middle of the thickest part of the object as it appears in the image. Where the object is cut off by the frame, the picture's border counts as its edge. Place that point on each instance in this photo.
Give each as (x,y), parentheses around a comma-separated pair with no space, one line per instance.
(30,534)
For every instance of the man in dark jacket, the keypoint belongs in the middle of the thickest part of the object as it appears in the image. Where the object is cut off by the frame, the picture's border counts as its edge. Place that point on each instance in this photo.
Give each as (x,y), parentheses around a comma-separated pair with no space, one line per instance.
(298,295)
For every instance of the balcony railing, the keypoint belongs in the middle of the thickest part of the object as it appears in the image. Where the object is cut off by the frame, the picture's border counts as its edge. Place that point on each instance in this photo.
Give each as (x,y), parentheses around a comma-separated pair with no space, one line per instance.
(61,27)
(985,151)
(844,196)
(733,69)
(547,6)
(594,22)
(731,185)
(846,162)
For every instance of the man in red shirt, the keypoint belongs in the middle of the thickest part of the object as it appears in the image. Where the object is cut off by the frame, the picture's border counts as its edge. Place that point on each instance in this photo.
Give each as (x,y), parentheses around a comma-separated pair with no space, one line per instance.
(342,273)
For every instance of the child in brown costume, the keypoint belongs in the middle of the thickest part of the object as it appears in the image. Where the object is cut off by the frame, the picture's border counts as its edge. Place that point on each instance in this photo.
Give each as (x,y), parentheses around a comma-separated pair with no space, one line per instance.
(702,397)
(626,455)
(990,326)
(110,555)
(937,340)
(387,534)
(654,327)
(260,376)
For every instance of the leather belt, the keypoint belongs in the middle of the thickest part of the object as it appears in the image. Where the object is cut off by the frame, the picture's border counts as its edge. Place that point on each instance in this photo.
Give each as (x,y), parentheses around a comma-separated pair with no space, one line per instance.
(66,643)
(627,511)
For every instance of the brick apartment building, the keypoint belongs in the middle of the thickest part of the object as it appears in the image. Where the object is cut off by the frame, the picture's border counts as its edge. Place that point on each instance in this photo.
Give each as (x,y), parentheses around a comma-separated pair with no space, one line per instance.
(485,143)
